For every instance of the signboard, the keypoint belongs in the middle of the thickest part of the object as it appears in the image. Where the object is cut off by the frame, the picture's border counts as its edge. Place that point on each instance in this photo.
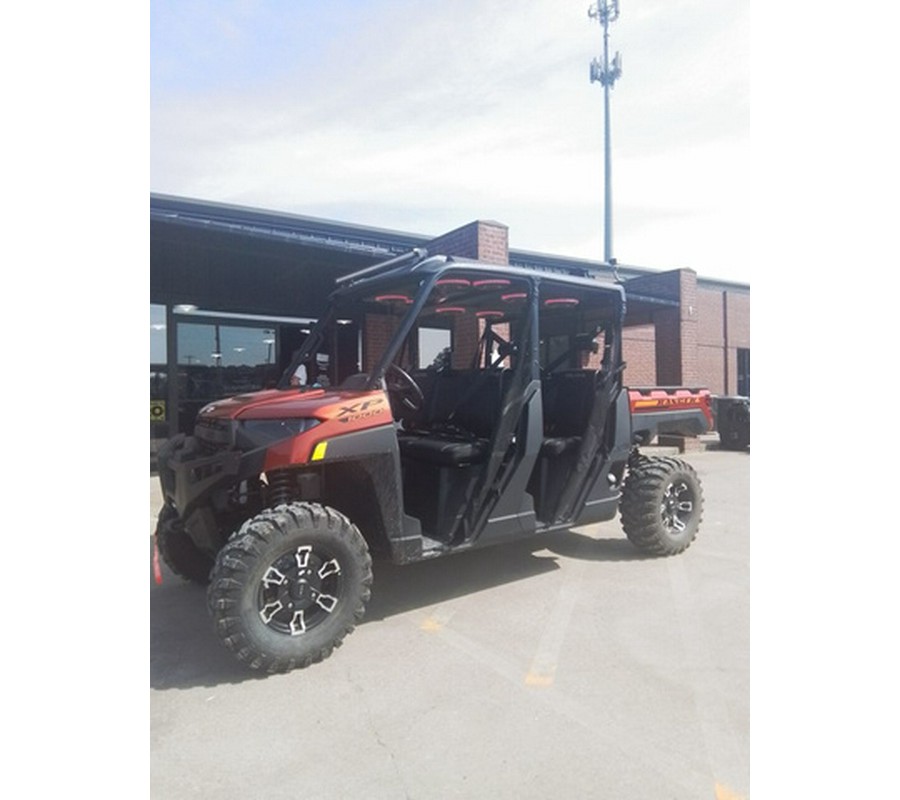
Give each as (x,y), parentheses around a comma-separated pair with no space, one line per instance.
(157,411)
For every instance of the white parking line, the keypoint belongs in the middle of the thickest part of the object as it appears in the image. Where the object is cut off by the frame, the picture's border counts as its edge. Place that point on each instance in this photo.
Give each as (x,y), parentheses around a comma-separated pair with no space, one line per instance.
(543,665)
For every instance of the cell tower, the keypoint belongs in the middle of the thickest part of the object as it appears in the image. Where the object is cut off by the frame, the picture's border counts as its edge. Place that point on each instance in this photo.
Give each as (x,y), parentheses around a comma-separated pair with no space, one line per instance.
(606,11)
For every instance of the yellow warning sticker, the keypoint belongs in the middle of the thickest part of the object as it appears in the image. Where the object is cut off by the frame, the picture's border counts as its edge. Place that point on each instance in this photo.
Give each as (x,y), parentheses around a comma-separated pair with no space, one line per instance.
(157,411)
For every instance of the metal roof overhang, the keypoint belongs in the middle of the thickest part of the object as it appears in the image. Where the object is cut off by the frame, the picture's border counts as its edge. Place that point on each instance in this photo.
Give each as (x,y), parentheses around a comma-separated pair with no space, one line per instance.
(234,258)
(293,228)
(228,259)
(641,309)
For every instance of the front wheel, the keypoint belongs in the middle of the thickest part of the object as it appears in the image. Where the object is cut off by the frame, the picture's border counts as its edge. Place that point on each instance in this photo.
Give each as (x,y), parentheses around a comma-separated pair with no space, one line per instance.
(178,550)
(290,585)
(661,505)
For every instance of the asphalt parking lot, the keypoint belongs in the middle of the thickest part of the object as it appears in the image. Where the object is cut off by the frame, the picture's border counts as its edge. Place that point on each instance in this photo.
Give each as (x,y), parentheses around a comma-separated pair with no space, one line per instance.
(566,666)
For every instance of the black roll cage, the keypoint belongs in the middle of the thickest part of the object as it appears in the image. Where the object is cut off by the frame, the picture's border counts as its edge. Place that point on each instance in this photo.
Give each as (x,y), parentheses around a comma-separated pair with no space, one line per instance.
(432,269)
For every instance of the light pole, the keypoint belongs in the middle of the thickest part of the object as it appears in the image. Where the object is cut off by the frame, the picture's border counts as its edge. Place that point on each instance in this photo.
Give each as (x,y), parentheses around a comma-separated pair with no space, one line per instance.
(606,11)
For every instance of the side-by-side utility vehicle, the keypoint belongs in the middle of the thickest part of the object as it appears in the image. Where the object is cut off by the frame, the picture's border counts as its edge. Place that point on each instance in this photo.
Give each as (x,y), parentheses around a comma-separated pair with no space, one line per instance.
(439,405)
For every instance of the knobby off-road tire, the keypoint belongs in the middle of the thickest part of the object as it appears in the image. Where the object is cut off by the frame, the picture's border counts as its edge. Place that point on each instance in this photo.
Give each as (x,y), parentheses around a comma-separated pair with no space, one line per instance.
(735,439)
(734,432)
(661,505)
(289,586)
(177,549)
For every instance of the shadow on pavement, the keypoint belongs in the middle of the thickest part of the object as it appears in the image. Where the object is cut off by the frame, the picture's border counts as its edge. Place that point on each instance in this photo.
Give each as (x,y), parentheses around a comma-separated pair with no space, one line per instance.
(185,652)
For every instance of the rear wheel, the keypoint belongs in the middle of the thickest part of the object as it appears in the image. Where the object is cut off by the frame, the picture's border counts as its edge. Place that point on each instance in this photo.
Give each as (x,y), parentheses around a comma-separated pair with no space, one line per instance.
(178,550)
(290,585)
(661,505)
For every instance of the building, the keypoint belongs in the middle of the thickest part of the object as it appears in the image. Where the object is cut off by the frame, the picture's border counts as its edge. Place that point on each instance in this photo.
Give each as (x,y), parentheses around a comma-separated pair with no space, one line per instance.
(234,290)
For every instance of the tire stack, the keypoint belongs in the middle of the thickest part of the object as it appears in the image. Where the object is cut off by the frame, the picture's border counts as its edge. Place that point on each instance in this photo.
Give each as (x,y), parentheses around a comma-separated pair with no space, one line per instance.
(733,422)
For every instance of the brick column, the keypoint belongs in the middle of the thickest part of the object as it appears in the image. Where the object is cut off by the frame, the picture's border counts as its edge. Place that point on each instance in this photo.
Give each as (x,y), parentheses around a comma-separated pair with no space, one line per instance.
(380,330)
(676,328)
(466,334)
(481,241)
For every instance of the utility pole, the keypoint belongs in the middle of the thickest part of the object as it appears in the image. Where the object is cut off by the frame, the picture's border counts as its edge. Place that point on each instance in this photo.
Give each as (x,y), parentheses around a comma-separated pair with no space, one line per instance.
(606,11)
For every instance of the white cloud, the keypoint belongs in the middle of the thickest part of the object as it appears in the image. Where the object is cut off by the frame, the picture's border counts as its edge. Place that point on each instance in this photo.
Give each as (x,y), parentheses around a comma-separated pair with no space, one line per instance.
(422,117)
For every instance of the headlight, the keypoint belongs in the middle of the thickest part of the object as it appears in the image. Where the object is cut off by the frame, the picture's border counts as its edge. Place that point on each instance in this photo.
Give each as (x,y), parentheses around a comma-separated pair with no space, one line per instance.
(253,433)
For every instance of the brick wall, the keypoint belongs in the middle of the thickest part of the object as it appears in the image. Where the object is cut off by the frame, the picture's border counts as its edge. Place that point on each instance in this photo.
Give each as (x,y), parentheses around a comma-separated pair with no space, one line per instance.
(688,324)
(724,326)
(712,368)
(638,352)
(711,340)
(738,305)
(738,311)
(710,330)
(379,330)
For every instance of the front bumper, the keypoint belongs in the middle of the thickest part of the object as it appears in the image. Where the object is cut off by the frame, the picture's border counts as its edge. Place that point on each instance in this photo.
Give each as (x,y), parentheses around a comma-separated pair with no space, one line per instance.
(188,474)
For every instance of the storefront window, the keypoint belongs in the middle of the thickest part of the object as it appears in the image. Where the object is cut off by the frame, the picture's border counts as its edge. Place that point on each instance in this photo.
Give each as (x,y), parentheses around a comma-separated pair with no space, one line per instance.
(158,373)
(217,357)
(216,361)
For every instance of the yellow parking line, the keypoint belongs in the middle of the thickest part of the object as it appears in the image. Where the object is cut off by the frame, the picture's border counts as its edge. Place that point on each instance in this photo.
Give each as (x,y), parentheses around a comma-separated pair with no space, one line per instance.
(724,793)
(437,619)
(540,679)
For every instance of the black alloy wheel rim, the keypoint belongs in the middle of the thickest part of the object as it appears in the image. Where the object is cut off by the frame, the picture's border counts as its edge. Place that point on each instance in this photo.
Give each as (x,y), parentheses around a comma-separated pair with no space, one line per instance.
(677,507)
(300,590)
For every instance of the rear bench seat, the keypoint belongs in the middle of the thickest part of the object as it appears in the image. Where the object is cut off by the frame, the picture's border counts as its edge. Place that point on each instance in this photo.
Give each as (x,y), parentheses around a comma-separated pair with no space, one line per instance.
(568,398)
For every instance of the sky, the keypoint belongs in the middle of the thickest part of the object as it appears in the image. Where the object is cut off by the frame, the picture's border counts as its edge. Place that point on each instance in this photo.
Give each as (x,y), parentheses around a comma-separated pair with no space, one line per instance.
(423,116)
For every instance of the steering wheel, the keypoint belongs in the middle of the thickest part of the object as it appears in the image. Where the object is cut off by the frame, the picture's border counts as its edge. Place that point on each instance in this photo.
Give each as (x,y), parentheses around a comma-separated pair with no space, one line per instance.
(400,383)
